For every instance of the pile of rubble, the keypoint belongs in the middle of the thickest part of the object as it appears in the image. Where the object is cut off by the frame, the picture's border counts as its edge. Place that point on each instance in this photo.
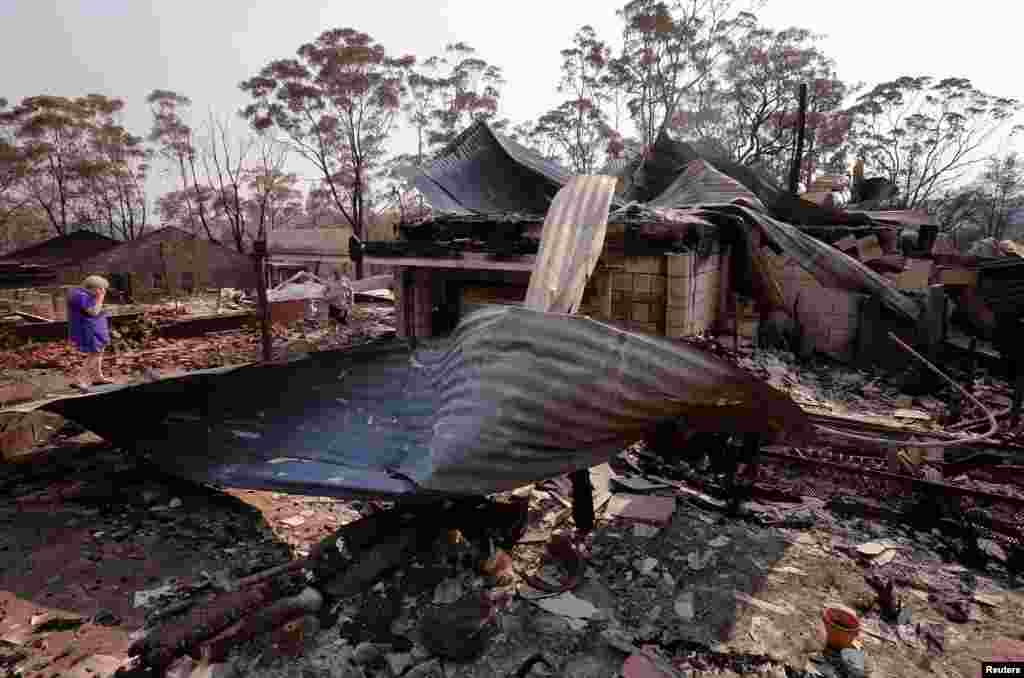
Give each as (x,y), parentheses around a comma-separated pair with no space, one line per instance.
(667,584)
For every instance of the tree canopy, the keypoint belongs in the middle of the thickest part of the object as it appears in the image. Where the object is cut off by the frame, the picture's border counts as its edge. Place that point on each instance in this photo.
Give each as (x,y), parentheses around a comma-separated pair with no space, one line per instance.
(702,70)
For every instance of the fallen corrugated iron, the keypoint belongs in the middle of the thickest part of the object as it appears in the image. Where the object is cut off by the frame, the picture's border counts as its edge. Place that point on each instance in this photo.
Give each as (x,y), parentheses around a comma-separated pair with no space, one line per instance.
(649,177)
(828,265)
(514,397)
(571,242)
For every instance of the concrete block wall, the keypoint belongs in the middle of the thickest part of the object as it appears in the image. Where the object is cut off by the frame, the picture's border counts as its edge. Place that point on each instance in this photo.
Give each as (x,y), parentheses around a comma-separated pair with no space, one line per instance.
(422,303)
(414,294)
(639,293)
(694,293)
(400,300)
(597,295)
(828,316)
(634,292)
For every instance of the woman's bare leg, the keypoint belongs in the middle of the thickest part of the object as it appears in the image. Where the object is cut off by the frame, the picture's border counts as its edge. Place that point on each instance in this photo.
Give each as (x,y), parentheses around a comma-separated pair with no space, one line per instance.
(99,370)
(85,367)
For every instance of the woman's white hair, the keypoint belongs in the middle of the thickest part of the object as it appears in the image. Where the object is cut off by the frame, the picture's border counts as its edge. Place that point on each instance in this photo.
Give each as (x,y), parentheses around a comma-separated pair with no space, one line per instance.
(95,282)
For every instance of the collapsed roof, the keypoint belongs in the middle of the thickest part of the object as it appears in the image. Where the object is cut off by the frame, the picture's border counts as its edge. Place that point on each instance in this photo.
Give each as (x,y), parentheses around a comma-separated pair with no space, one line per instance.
(655,179)
(486,172)
(483,174)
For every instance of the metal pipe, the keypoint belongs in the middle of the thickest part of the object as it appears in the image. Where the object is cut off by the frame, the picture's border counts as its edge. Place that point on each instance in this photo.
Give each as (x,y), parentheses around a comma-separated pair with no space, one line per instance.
(259,253)
(801,123)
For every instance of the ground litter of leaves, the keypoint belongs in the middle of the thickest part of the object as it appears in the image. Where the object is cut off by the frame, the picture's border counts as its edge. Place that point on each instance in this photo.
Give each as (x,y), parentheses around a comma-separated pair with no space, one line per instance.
(91,533)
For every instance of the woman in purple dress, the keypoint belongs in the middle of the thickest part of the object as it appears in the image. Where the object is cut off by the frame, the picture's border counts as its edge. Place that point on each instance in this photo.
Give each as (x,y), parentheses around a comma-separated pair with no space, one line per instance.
(89,330)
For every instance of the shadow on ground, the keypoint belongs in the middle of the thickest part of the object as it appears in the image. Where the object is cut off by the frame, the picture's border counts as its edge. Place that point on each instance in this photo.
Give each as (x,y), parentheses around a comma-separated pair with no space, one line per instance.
(85,528)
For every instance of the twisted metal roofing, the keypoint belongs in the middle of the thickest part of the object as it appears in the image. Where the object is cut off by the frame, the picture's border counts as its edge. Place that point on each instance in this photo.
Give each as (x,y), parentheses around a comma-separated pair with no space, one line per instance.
(514,396)
(484,171)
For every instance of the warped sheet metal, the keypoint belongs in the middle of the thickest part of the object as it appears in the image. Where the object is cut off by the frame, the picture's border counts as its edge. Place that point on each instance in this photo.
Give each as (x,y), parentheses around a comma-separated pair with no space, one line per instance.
(486,172)
(481,172)
(570,244)
(669,157)
(514,396)
(829,266)
(701,183)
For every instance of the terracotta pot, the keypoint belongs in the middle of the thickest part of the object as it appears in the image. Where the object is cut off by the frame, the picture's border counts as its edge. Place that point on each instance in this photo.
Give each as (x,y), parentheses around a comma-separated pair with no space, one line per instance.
(841,627)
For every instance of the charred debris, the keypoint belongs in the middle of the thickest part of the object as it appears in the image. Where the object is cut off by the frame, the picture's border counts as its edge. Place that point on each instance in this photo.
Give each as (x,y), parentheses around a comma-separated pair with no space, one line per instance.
(766,363)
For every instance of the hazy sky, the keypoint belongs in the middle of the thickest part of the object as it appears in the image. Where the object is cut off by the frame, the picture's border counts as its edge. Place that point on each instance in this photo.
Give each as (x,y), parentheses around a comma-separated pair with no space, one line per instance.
(127,48)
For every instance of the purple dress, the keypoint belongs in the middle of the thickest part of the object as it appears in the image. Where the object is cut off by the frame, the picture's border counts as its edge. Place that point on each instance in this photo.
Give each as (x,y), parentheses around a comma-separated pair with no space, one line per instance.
(89,333)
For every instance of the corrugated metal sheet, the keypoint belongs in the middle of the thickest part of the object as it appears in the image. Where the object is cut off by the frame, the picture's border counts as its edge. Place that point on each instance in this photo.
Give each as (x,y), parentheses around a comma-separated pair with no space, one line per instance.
(669,157)
(551,394)
(513,397)
(484,171)
(828,265)
(570,244)
(480,172)
(700,183)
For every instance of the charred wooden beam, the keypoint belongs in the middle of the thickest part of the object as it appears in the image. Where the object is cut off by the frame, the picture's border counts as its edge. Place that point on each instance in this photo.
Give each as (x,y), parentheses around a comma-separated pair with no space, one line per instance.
(582,501)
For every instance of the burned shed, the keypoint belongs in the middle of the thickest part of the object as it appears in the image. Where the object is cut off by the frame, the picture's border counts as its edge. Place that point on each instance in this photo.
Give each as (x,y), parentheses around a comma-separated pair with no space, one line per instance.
(321,251)
(694,244)
(166,261)
(39,264)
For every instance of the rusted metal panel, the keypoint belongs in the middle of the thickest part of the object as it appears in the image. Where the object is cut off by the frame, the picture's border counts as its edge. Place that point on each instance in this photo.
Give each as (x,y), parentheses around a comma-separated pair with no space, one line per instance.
(513,397)
(571,243)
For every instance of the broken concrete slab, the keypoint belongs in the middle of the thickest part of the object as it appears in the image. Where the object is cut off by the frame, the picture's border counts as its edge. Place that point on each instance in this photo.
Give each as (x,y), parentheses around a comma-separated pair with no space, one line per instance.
(576,611)
(653,510)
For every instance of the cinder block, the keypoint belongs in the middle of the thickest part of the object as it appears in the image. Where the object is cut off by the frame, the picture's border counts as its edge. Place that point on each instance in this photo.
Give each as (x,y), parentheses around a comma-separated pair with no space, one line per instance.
(643,283)
(620,309)
(641,312)
(654,265)
(869,249)
(916,275)
(677,317)
(679,265)
(623,282)
(748,328)
(958,276)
